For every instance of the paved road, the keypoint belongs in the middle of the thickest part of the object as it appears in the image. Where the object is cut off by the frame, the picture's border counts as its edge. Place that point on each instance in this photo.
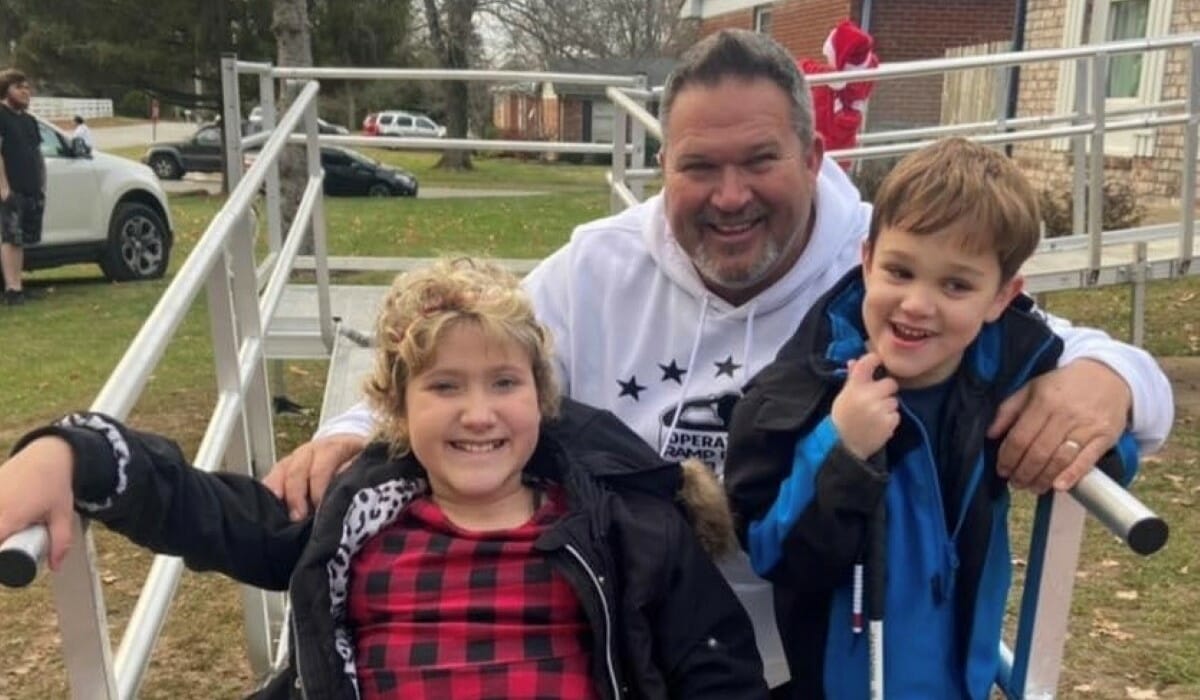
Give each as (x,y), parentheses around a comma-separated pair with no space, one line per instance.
(145,134)
(141,134)
(210,183)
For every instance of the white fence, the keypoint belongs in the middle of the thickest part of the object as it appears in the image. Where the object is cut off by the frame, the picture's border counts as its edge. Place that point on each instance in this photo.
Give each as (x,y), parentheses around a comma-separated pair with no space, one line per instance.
(67,107)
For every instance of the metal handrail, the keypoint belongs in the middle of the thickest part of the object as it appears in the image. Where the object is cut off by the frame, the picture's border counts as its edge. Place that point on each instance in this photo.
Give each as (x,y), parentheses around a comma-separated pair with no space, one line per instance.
(203,268)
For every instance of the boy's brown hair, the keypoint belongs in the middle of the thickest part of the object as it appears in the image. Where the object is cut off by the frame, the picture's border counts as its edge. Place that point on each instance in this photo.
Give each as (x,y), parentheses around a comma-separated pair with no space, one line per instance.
(422,306)
(8,77)
(955,183)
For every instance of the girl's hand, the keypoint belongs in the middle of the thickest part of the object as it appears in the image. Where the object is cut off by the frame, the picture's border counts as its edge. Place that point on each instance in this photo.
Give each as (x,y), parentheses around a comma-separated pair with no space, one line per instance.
(35,487)
(866,411)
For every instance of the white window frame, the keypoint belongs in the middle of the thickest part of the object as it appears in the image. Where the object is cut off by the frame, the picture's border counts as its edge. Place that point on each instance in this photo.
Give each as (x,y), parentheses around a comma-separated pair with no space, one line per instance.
(1133,142)
(759,13)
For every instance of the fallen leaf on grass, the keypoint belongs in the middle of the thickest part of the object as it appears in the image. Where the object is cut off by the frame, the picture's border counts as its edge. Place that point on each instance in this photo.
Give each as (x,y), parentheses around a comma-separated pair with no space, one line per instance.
(1140,693)
(1109,563)
(299,371)
(1084,688)
(1127,595)
(1105,628)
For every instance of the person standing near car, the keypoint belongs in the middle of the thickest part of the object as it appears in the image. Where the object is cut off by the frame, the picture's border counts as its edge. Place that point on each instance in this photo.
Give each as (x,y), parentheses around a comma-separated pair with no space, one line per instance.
(22,181)
(82,132)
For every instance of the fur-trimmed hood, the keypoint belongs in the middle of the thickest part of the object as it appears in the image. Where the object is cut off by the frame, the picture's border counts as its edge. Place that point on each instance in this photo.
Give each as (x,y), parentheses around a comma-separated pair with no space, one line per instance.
(707,508)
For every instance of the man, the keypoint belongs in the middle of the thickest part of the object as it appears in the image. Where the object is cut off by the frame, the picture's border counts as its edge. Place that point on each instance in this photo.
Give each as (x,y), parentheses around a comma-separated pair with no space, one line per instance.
(22,182)
(662,312)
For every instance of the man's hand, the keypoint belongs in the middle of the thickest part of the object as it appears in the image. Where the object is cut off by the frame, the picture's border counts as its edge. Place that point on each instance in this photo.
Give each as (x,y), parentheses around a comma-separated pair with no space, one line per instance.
(866,411)
(5,192)
(302,477)
(1060,424)
(35,488)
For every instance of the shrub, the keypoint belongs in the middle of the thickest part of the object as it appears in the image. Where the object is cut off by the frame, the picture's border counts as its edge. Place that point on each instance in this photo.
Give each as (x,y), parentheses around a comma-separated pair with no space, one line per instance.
(134,103)
(868,175)
(1121,209)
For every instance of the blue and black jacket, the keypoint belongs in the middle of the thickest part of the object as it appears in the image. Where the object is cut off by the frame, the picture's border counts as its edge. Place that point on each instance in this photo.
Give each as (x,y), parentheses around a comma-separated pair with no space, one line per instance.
(804,504)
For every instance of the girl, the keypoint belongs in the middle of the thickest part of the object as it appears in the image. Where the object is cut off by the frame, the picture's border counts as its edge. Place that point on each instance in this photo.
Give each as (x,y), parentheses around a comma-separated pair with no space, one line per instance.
(483,548)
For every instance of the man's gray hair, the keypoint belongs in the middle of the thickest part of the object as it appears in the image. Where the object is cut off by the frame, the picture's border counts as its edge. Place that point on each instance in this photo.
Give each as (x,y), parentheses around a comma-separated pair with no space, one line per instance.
(742,54)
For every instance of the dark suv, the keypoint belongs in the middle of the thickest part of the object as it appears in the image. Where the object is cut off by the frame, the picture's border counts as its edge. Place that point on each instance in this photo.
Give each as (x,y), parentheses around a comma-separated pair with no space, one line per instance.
(201,154)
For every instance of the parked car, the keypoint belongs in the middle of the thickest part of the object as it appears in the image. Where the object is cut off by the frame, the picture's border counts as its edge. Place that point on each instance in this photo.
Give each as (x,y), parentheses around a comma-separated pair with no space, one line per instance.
(350,173)
(102,209)
(400,123)
(254,125)
(201,154)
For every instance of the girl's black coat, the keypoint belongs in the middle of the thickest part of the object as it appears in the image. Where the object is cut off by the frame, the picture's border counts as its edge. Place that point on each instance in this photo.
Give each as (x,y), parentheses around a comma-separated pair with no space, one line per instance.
(665,622)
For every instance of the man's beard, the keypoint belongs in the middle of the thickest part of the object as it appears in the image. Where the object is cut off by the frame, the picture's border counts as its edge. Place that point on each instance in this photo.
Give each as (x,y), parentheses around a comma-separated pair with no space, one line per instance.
(742,278)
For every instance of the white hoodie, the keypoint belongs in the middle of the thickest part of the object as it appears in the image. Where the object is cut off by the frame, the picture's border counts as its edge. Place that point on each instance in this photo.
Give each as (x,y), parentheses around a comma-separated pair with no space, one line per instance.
(639,334)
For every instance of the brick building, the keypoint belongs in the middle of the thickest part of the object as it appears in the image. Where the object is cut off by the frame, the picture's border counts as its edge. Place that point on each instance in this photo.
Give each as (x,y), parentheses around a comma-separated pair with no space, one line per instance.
(1149,160)
(563,112)
(904,30)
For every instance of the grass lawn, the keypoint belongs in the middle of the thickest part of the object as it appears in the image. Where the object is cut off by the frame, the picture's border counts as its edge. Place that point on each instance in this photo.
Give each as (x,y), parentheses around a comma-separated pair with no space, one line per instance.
(1132,630)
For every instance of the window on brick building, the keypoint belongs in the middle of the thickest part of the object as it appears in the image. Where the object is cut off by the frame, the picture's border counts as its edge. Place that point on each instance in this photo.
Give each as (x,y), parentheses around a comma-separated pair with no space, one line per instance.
(1133,79)
(762,19)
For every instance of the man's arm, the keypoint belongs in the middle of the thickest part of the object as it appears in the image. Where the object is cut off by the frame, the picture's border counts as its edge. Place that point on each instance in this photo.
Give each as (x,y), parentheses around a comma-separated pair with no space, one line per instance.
(1063,422)
(302,477)
(5,190)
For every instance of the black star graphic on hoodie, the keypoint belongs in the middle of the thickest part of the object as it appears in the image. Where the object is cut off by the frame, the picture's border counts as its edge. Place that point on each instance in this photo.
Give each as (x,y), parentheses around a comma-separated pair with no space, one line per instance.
(673,371)
(630,388)
(727,367)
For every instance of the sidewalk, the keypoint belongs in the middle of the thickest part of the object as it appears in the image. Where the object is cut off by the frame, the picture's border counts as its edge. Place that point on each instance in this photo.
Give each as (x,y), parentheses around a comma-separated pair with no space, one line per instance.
(141,134)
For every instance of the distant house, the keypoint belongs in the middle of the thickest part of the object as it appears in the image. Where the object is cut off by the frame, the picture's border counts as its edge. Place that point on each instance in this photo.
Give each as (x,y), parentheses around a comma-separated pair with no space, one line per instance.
(904,30)
(564,112)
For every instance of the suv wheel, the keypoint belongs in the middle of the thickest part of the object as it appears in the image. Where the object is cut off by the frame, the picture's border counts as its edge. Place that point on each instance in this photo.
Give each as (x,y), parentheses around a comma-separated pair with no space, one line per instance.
(139,244)
(165,166)
(379,190)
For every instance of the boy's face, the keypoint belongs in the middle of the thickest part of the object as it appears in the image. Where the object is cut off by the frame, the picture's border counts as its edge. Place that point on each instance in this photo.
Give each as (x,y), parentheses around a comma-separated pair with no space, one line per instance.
(473,417)
(18,95)
(926,299)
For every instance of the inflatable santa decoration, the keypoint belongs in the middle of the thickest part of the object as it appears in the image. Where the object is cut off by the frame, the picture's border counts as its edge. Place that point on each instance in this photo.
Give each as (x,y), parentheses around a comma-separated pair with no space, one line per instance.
(838,108)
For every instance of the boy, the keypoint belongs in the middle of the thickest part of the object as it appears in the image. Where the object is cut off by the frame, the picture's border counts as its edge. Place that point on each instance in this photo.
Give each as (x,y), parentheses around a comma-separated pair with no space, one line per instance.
(883,398)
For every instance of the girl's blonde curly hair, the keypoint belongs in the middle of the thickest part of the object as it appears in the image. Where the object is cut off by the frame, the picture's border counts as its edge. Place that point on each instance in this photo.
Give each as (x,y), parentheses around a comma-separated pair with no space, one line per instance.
(422,306)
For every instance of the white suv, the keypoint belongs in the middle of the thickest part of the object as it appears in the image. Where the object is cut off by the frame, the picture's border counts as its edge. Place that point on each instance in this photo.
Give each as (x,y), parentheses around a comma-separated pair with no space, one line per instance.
(399,123)
(102,209)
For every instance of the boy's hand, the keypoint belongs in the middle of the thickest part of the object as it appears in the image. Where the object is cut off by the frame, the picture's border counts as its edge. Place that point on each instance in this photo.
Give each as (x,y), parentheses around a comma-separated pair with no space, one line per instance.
(1059,425)
(302,477)
(35,487)
(866,410)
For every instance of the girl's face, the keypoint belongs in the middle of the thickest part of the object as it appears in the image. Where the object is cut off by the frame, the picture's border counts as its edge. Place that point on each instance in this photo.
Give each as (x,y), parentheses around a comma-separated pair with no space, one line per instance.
(473,417)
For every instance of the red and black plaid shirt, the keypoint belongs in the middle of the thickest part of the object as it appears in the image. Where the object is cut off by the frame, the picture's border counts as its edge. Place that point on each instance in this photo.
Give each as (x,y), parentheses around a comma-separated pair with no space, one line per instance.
(443,613)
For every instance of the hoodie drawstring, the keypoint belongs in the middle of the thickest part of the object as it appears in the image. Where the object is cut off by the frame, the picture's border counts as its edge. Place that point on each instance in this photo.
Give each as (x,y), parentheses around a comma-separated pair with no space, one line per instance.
(748,343)
(687,377)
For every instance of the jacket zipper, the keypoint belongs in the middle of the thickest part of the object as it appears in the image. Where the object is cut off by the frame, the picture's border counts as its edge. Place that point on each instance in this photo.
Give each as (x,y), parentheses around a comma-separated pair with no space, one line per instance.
(949,543)
(296,651)
(608,652)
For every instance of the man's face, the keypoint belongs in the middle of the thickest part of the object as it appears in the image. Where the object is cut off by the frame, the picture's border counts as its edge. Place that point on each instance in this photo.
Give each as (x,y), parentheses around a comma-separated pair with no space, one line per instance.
(738,183)
(18,95)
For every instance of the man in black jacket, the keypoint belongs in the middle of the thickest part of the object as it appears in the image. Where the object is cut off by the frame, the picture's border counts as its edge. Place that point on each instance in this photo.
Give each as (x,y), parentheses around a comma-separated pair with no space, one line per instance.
(22,181)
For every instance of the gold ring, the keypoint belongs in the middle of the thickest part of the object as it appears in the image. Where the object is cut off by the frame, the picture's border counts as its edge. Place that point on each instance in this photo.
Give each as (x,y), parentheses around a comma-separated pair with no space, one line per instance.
(1075,446)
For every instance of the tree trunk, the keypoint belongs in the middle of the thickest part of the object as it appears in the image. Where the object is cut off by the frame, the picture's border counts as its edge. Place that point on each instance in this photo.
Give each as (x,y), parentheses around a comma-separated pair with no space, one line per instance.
(453,45)
(294,43)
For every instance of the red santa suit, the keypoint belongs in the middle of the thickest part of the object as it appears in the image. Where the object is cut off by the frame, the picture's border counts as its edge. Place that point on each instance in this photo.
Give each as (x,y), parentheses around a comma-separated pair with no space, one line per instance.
(838,108)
